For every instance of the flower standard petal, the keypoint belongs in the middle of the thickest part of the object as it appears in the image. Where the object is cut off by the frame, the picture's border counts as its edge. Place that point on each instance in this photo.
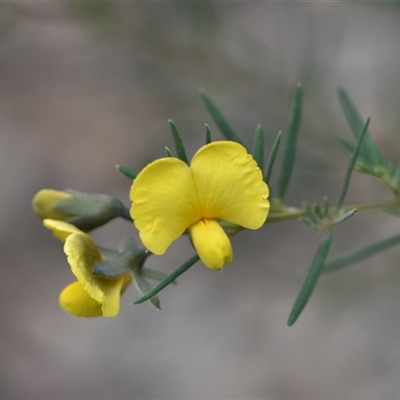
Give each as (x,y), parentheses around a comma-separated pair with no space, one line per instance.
(211,243)
(164,203)
(230,185)
(75,300)
(82,253)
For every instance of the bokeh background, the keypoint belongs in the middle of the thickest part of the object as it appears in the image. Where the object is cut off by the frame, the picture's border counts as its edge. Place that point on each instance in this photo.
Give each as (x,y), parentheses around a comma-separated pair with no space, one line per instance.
(88,85)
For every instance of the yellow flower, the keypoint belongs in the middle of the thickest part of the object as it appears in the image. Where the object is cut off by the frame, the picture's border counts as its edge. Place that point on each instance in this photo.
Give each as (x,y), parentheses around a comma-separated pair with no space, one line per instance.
(85,211)
(90,295)
(223,182)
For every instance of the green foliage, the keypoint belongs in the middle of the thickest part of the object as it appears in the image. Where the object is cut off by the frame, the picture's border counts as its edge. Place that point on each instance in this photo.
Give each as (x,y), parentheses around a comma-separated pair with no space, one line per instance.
(219,119)
(289,151)
(169,279)
(180,148)
(208,135)
(311,278)
(258,147)
(323,218)
(370,160)
(130,173)
(272,157)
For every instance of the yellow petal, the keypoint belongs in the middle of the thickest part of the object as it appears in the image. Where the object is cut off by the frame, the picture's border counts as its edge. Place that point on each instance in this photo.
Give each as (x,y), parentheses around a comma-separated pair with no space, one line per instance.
(211,242)
(44,201)
(112,290)
(230,185)
(165,203)
(75,300)
(60,229)
(82,253)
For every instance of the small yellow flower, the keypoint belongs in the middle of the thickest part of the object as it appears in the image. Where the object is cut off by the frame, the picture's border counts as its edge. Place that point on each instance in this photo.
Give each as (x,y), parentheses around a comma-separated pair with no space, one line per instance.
(223,182)
(90,295)
(85,211)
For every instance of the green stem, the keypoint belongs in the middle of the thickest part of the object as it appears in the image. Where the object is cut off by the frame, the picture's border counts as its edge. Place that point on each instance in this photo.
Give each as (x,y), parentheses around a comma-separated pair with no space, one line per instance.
(288,213)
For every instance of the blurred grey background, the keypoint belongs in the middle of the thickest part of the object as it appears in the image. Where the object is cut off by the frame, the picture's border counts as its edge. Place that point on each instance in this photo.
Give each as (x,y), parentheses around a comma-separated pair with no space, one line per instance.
(88,85)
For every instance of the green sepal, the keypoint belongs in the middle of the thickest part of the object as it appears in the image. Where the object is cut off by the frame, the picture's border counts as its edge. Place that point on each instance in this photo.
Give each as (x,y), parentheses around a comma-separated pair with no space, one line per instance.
(312,277)
(168,280)
(258,147)
(179,146)
(208,134)
(107,253)
(111,268)
(272,157)
(86,204)
(291,141)
(128,259)
(369,151)
(130,173)
(89,211)
(219,119)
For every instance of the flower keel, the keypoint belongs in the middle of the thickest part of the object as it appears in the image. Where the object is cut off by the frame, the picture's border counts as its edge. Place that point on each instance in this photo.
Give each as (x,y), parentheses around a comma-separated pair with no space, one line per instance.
(211,243)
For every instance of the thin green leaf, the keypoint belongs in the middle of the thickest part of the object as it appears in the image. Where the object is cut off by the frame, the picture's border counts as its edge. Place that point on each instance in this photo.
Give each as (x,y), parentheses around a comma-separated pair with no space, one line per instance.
(154,274)
(370,150)
(291,141)
(143,286)
(360,252)
(272,157)
(351,166)
(208,134)
(169,279)
(311,278)
(349,145)
(180,148)
(130,173)
(363,156)
(258,147)
(219,119)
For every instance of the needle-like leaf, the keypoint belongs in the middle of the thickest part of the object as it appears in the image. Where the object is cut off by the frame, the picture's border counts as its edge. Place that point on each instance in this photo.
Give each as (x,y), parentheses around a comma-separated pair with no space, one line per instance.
(291,141)
(258,147)
(219,119)
(311,278)
(169,279)
(179,146)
